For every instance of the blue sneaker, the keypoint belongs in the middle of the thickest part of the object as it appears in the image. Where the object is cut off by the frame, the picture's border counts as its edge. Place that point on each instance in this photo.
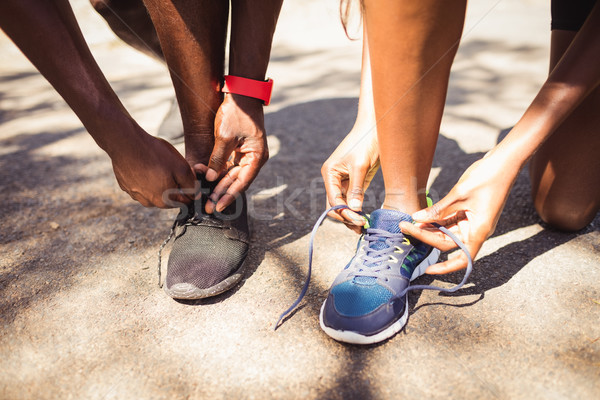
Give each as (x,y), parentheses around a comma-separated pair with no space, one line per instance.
(365,303)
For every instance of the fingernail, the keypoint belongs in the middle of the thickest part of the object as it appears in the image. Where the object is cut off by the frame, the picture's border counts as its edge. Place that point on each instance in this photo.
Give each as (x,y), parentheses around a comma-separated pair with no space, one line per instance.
(354,204)
(359,221)
(211,175)
(405,224)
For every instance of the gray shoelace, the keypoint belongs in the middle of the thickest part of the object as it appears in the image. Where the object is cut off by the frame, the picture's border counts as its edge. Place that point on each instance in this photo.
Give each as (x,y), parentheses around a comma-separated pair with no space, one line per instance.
(162,246)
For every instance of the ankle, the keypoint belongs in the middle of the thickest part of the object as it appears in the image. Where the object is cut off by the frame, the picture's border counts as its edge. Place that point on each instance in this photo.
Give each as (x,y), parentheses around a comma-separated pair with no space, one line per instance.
(199,143)
(405,205)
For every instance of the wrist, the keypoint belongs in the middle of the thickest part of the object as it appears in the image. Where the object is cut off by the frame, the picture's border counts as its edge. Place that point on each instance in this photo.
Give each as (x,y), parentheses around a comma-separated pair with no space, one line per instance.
(117,134)
(252,88)
(504,161)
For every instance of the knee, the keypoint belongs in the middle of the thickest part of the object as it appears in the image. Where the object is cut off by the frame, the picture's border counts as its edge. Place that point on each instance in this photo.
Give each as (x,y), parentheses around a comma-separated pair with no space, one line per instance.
(565,216)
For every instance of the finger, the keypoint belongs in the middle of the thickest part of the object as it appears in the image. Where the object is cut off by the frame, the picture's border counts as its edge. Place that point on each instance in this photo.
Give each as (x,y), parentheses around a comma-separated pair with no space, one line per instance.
(219,156)
(457,260)
(221,189)
(186,180)
(464,227)
(433,237)
(451,265)
(355,193)
(239,185)
(201,169)
(352,227)
(226,200)
(174,201)
(334,189)
(173,198)
(350,218)
(140,199)
(336,216)
(242,177)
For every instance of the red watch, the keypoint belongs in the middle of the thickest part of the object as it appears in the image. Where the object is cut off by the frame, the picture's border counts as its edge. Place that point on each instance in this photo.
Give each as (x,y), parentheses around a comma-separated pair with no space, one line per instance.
(249,87)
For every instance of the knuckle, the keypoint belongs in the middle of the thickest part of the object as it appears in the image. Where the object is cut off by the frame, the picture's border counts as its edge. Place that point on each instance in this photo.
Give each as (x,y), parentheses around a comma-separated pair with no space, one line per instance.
(435,211)
(144,202)
(227,135)
(356,191)
(264,157)
(461,191)
(218,160)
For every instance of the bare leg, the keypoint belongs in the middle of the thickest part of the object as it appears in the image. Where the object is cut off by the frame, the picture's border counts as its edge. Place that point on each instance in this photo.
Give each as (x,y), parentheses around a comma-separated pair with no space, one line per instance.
(130,21)
(410,79)
(192,35)
(565,171)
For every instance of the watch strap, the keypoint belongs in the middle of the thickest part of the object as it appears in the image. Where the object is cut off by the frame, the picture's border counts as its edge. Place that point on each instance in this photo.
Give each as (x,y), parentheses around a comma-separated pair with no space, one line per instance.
(248,87)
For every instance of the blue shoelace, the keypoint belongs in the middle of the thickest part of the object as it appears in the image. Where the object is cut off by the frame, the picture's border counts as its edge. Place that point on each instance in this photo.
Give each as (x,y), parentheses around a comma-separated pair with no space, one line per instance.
(452,236)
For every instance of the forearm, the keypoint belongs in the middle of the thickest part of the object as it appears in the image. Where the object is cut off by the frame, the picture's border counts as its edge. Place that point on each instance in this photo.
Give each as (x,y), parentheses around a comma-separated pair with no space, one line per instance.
(365,118)
(48,34)
(576,75)
(252,28)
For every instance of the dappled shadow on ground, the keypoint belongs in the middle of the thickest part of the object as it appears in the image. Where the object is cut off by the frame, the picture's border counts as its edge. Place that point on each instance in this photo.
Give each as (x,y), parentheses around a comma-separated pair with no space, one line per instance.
(60,215)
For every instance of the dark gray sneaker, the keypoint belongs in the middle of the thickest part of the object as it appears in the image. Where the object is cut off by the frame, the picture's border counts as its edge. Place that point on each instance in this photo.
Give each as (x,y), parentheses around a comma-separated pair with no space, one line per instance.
(208,252)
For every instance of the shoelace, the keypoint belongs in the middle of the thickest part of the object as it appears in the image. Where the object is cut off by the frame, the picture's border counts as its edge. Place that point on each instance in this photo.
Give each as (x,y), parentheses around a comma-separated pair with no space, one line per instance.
(452,236)
(377,260)
(160,249)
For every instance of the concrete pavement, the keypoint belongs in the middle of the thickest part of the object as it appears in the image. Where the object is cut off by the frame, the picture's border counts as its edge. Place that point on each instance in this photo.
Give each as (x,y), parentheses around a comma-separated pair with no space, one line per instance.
(82,317)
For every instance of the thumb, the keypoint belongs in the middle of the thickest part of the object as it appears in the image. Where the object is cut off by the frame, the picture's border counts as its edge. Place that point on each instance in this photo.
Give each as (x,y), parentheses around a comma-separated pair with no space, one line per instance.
(219,156)
(436,212)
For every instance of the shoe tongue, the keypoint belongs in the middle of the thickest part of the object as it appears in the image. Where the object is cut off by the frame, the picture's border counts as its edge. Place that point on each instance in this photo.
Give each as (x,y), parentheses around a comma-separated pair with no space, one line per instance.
(388,220)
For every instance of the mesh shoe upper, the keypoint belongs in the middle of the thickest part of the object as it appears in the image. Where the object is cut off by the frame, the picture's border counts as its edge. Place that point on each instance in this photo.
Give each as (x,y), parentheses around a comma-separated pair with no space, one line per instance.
(364,296)
(203,256)
(208,251)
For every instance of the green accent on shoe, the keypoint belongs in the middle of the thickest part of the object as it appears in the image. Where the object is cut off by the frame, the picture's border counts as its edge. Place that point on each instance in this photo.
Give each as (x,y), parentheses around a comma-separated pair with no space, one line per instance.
(429,200)
(367,224)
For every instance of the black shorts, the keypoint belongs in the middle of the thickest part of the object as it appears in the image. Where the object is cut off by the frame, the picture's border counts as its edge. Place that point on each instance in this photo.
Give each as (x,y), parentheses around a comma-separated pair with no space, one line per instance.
(569,15)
